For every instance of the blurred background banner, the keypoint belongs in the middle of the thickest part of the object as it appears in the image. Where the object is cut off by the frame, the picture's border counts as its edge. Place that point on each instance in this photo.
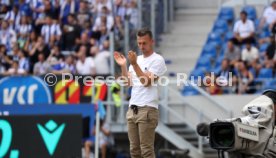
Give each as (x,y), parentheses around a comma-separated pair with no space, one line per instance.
(31,90)
(87,111)
(24,90)
(48,136)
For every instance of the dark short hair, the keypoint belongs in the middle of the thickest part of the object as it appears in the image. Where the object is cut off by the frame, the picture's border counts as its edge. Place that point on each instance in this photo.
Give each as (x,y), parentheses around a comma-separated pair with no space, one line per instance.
(244,12)
(144,32)
(271,94)
(15,61)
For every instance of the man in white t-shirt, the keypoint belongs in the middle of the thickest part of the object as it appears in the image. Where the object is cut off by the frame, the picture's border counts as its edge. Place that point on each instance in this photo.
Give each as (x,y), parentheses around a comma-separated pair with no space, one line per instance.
(85,65)
(244,30)
(269,15)
(101,58)
(142,115)
(250,53)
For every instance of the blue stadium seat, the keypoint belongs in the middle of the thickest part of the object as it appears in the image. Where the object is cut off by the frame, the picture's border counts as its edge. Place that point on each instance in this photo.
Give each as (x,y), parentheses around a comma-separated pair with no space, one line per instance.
(265,73)
(204,61)
(216,70)
(256,23)
(229,35)
(219,60)
(210,48)
(265,34)
(253,71)
(251,12)
(263,47)
(219,31)
(226,13)
(222,50)
(220,24)
(215,37)
(189,91)
(269,84)
(198,72)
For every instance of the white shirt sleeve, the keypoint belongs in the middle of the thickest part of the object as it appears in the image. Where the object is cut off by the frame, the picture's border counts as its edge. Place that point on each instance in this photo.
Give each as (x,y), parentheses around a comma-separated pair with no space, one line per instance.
(158,67)
(13,36)
(266,12)
(255,53)
(7,16)
(106,54)
(251,26)
(92,63)
(97,24)
(236,27)
(43,30)
(58,31)
(110,22)
(243,55)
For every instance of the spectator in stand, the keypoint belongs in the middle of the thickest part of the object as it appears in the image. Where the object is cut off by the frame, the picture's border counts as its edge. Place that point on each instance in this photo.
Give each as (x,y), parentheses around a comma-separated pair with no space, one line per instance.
(14,54)
(83,41)
(102,3)
(85,65)
(2,68)
(119,29)
(105,18)
(232,53)
(71,32)
(102,59)
(15,70)
(51,31)
(13,16)
(269,16)
(55,53)
(245,79)
(119,9)
(4,59)
(211,86)
(270,55)
(250,53)
(7,36)
(68,7)
(6,3)
(93,42)
(39,47)
(105,46)
(227,72)
(67,67)
(3,9)
(23,62)
(70,64)
(51,9)
(56,60)
(24,8)
(104,36)
(23,30)
(38,9)
(105,140)
(87,28)
(42,66)
(31,41)
(132,13)
(244,30)
(84,14)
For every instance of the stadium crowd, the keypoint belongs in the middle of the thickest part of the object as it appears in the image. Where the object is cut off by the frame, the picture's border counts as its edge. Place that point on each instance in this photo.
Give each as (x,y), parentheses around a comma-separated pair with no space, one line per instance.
(41,36)
(248,51)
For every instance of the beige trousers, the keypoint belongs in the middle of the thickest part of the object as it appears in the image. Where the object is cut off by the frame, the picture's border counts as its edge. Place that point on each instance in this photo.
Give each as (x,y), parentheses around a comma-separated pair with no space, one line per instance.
(141,131)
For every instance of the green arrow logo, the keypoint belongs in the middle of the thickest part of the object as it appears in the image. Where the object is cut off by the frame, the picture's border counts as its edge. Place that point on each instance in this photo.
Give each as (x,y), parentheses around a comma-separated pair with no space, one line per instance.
(51,135)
